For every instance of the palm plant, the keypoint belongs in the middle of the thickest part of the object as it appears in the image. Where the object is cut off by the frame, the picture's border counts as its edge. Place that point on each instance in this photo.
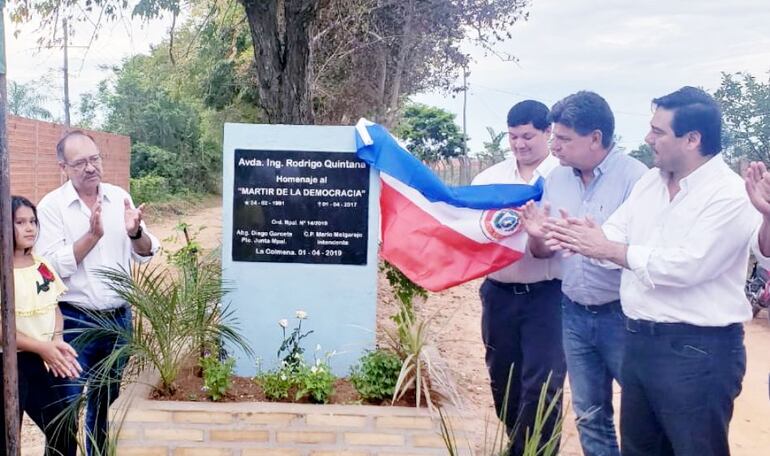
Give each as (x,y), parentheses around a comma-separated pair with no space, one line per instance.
(536,442)
(421,367)
(176,312)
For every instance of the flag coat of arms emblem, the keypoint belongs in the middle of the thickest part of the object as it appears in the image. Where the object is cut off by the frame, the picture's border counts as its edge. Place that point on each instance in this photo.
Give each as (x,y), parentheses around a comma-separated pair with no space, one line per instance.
(441,236)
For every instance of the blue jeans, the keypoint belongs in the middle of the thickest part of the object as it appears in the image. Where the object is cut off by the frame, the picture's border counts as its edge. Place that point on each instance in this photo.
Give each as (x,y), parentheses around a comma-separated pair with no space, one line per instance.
(521,327)
(679,385)
(102,388)
(593,339)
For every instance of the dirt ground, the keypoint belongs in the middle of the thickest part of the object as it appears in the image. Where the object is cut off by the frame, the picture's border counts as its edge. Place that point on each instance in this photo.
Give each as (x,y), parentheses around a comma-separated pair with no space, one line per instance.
(455,326)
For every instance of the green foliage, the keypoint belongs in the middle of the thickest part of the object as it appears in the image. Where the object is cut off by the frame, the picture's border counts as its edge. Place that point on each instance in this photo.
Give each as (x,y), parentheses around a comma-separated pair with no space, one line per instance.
(342,59)
(276,384)
(745,102)
(217,375)
(316,382)
(176,307)
(430,133)
(493,149)
(26,100)
(149,188)
(405,291)
(375,376)
(644,154)
(410,340)
(403,287)
(536,442)
(86,111)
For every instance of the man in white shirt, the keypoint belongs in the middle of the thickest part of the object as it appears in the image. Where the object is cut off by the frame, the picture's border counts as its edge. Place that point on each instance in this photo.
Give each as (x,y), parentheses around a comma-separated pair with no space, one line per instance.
(521,313)
(85,226)
(682,238)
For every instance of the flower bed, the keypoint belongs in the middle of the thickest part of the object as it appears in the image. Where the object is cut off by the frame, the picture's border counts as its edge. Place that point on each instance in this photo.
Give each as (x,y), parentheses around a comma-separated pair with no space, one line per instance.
(148,428)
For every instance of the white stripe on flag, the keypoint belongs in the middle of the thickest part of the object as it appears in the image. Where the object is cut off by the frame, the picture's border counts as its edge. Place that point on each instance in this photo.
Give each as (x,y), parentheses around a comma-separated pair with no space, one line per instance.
(463,220)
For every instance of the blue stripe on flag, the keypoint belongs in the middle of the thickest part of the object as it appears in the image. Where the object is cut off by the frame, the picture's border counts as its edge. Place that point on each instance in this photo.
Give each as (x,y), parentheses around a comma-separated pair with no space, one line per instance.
(387,156)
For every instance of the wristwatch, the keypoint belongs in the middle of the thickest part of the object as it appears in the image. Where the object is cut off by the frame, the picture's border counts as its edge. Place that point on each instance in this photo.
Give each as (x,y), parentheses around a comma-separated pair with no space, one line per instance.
(138,234)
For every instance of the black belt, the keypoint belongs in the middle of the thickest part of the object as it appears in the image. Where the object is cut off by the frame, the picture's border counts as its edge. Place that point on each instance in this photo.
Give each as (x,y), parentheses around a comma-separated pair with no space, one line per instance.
(652,328)
(611,306)
(106,313)
(522,288)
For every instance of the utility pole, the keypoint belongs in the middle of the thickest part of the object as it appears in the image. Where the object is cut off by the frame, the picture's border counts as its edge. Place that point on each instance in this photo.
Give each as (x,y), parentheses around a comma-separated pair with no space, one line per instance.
(66,77)
(7,303)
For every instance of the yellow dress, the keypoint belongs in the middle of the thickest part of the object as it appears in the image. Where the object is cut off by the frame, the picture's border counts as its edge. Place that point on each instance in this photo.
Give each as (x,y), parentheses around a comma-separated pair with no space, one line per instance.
(37,289)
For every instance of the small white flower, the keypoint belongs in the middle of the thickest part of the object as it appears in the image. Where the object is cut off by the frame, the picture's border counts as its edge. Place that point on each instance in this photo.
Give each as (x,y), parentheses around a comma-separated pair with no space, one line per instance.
(204,388)
(283,377)
(301,314)
(314,369)
(318,347)
(283,323)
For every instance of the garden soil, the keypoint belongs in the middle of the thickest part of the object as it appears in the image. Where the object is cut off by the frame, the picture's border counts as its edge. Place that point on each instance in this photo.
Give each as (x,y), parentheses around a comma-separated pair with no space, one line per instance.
(455,326)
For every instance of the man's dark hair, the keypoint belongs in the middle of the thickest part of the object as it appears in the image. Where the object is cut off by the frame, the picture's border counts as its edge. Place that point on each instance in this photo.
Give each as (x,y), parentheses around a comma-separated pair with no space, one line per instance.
(17,202)
(63,142)
(529,111)
(585,112)
(695,110)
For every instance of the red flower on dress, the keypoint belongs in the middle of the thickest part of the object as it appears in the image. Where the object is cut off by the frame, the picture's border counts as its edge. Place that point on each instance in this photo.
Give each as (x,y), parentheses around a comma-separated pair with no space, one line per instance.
(48,277)
(45,273)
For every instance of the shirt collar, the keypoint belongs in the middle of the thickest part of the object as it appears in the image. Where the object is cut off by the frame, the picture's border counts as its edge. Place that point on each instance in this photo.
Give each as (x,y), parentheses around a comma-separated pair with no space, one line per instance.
(543,169)
(706,172)
(613,152)
(71,195)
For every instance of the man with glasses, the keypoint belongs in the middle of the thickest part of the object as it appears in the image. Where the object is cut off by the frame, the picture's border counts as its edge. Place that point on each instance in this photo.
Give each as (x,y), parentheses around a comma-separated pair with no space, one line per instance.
(87,225)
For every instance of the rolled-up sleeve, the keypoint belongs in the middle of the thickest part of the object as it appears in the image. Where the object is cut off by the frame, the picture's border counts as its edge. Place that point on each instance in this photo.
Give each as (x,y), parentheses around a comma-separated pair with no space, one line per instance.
(153,250)
(616,230)
(52,243)
(718,232)
(763,260)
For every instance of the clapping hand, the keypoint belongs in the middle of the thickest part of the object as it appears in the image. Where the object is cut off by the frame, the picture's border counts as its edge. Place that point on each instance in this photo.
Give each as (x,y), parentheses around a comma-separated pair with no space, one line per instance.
(757,180)
(533,218)
(133,217)
(574,235)
(95,222)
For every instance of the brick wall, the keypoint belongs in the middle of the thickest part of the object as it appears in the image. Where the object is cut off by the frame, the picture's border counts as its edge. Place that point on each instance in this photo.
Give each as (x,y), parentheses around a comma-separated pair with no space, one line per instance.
(167,428)
(34,168)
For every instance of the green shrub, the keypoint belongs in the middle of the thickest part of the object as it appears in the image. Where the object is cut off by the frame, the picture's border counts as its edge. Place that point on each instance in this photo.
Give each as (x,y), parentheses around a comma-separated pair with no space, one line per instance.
(375,378)
(217,375)
(149,188)
(316,382)
(275,384)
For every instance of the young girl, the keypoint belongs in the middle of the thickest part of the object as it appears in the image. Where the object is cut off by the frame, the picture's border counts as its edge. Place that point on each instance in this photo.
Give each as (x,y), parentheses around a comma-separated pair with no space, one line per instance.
(42,351)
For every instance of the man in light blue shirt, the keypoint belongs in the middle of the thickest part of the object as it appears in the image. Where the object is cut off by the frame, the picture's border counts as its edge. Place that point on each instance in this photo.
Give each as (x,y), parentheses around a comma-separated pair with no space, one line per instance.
(594,179)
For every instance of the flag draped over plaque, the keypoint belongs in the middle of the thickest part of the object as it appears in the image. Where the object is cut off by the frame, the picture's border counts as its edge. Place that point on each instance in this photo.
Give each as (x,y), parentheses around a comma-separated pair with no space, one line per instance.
(441,236)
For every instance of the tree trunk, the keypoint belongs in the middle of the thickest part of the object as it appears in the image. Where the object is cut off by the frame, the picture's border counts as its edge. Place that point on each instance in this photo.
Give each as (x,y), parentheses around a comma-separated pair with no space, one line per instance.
(401,63)
(280,32)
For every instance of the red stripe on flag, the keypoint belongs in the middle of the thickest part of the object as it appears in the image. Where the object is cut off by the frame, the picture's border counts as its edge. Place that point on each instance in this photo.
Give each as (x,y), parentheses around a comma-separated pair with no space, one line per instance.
(431,254)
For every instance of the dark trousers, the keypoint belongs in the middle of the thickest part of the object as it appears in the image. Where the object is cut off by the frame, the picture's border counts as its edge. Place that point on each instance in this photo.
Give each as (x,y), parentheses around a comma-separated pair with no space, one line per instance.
(679,384)
(521,327)
(102,386)
(41,401)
